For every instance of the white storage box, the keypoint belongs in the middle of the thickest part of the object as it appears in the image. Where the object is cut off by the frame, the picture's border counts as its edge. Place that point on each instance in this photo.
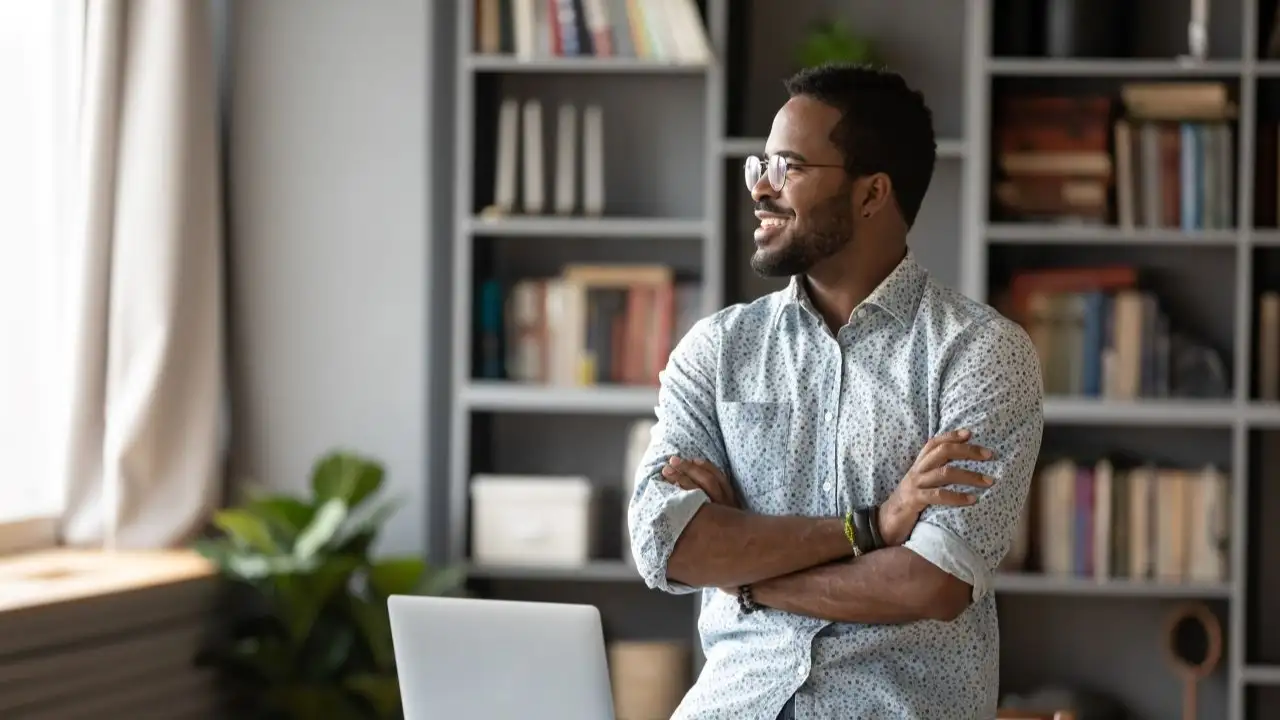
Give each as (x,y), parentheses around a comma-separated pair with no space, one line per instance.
(542,520)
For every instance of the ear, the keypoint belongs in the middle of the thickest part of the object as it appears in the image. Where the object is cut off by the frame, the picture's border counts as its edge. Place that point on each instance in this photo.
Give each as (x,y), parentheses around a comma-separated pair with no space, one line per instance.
(876,195)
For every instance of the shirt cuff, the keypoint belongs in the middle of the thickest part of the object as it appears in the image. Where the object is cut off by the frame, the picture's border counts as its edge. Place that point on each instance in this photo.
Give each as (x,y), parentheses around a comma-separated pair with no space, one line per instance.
(676,512)
(945,549)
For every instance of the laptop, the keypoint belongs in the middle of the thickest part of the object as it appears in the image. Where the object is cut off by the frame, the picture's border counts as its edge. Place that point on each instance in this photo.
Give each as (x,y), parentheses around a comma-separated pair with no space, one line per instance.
(473,659)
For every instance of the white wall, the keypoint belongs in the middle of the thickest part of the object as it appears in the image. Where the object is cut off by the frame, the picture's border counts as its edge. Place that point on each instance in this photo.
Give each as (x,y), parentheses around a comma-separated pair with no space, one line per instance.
(330,269)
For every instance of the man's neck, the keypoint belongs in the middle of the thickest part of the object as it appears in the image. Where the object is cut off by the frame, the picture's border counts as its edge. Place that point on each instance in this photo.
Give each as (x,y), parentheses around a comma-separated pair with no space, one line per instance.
(838,284)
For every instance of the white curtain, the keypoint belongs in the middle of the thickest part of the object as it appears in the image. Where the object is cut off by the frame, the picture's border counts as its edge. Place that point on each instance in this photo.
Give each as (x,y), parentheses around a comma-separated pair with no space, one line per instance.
(140,446)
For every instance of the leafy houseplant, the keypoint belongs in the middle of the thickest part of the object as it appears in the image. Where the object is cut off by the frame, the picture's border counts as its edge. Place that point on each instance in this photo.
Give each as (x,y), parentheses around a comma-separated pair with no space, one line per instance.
(833,41)
(311,637)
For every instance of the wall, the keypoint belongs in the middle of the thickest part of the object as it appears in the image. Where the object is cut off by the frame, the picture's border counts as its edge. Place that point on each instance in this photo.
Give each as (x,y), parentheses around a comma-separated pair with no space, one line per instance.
(331,274)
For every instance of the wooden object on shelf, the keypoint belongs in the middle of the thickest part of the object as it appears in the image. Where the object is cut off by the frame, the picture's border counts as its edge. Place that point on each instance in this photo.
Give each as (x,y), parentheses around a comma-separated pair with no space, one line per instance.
(1193,670)
(649,678)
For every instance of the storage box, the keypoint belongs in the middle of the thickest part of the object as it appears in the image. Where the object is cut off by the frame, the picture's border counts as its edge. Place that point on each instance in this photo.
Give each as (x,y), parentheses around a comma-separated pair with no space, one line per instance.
(543,520)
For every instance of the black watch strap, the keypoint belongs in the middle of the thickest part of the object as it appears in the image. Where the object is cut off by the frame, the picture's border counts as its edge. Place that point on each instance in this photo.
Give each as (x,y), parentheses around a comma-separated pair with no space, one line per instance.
(873,520)
(863,534)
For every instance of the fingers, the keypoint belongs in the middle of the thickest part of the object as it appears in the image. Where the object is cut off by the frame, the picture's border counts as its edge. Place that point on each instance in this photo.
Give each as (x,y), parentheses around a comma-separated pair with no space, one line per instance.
(699,474)
(952,475)
(679,479)
(938,496)
(945,452)
(952,436)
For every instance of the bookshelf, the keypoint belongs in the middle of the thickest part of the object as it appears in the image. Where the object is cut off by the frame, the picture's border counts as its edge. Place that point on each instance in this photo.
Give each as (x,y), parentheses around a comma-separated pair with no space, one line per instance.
(1207,273)
(675,198)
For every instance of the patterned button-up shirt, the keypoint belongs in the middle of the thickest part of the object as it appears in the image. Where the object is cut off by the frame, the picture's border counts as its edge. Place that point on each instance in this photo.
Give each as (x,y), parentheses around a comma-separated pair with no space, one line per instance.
(810,422)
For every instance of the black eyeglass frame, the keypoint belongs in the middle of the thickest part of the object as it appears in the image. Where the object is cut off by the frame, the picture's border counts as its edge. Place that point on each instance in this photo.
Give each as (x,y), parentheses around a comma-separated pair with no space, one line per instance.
(762,169)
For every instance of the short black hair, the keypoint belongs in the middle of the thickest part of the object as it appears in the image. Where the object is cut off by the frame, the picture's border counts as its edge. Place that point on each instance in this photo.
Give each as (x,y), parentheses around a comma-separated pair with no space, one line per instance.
(884,126)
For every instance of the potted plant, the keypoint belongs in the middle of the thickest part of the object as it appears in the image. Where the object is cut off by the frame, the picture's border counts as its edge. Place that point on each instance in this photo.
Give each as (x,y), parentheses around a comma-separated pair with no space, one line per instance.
(834,41)
(308,635)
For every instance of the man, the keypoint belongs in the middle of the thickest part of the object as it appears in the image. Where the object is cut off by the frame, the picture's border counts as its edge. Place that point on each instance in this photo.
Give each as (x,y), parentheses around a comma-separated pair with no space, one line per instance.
(840,465)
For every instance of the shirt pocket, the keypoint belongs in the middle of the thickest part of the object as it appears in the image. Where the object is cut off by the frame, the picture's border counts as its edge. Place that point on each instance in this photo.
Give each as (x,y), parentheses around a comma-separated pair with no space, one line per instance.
(757,438)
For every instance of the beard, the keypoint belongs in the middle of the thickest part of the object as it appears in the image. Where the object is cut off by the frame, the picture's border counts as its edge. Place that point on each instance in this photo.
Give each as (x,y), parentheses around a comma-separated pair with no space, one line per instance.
(829,230)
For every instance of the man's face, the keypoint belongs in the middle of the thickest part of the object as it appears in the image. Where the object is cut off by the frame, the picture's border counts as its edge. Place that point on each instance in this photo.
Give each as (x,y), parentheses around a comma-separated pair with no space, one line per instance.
(811,218)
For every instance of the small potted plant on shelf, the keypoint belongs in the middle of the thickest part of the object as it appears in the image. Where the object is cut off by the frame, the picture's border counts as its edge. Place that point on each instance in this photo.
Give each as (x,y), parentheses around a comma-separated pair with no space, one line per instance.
(308,634)
(834,41)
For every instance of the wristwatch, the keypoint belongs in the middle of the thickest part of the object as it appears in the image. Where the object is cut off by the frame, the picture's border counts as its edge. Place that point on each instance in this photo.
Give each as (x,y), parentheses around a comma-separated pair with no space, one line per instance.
(862,528)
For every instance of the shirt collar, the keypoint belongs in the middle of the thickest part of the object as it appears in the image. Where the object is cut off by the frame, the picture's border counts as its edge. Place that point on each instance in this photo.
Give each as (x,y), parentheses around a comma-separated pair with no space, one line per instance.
(898,294)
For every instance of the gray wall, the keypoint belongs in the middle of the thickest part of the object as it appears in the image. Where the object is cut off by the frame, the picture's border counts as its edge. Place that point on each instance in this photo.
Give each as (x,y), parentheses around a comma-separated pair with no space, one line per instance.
(331,272)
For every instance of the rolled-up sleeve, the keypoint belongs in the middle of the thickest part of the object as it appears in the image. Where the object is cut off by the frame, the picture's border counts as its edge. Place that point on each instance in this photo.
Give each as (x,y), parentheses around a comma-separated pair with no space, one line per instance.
(991,387)
(658,511)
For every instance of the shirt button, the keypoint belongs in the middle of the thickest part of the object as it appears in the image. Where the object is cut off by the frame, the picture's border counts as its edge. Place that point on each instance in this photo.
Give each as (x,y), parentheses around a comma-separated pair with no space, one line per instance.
(828,416)
(800,671)
(827,486)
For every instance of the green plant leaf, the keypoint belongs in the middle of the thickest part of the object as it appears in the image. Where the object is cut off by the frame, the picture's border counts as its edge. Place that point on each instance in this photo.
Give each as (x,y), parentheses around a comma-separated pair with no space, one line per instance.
(304,596)
(396,576)
(362,525)
(306,702)
(375,627)
(442,581)
(322,528)
(216,550)
(347,476)
(246,530)
(329,648)
(382,692)
(285,515)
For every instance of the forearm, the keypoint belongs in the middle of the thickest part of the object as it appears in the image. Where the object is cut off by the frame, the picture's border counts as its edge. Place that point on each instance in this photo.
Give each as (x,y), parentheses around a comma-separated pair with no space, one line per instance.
(726,547)
(888,586)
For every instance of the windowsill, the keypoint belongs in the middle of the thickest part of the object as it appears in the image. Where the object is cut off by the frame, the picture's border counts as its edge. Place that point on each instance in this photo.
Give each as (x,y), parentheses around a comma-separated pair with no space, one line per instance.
(20,536)
(41,578)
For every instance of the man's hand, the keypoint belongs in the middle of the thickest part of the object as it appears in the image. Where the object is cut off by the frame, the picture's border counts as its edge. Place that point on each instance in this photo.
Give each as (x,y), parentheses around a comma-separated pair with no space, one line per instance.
(923,485)
(698,474)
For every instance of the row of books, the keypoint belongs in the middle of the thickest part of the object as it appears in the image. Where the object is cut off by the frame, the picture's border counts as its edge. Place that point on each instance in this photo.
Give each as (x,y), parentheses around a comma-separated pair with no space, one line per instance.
(590,325)
(1167,161)
(1099,334)
(1145,521)
(521,165)
(659,30)
(1269,346)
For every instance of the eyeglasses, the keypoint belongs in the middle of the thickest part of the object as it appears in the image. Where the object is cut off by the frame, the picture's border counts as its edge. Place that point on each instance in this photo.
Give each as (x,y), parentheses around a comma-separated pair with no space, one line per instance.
(775,166)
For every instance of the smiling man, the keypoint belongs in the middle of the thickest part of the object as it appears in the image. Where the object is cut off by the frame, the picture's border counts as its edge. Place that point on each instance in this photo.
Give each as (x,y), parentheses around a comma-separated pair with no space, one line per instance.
(840,466)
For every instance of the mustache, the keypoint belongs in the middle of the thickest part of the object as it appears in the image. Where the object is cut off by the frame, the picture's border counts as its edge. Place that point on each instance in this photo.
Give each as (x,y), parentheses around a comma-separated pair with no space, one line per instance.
(765,205)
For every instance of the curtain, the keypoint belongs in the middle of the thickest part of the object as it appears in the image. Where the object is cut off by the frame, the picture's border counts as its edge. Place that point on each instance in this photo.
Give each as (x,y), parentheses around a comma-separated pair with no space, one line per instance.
(140,444)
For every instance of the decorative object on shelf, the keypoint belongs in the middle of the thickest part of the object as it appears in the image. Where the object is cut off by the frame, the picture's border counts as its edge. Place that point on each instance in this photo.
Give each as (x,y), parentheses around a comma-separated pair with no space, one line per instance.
(1198,31)
(834,41)
(312,637)
(1087,28)
(1193,658)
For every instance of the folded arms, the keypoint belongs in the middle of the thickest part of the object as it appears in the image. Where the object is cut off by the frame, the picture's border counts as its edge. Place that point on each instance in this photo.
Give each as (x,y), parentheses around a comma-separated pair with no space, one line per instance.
(688,535)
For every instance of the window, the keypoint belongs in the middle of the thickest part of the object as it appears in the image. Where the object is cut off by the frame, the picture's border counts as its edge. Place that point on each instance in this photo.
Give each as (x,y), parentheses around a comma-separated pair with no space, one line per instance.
(39,65)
